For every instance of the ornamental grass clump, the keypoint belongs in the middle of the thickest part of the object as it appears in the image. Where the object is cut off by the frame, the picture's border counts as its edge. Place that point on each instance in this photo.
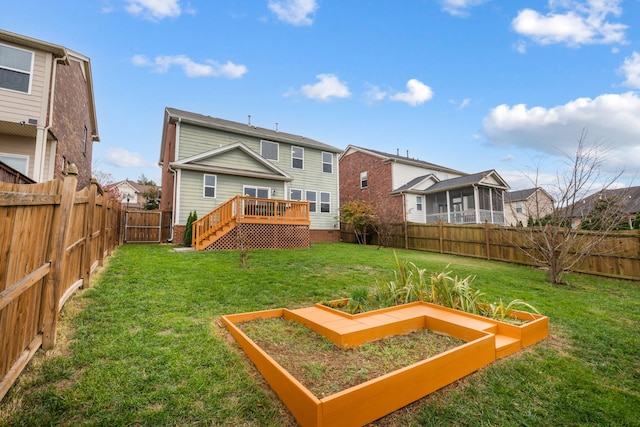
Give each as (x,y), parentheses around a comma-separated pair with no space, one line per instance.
(411,283)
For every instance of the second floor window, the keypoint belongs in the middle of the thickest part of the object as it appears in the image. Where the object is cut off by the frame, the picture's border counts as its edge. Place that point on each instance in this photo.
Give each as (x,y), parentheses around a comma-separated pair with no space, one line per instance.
(15,69)
(297,157)
(364,182)
(327,162)
(270,150)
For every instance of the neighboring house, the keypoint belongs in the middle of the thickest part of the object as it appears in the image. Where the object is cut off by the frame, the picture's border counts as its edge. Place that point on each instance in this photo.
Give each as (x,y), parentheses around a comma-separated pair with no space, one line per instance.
(406,189)
(208,161)
(627,199)
(522,205)
(47,110)
(130,193)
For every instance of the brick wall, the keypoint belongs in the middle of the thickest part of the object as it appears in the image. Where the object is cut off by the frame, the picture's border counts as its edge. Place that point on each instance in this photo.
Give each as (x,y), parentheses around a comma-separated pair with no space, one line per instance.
(379,184)
(71,113)
(317,236)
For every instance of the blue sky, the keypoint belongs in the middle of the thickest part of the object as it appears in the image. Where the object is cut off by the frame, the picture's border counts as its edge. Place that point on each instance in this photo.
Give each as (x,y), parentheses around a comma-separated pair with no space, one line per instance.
(468,84)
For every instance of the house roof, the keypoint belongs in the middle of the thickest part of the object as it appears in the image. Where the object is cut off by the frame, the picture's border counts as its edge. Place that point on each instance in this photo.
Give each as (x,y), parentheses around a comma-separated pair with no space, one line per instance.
(628,199)
(488,178)
(192,163)
(139,188)
(65,56)
(174,115)
(414,182)
(401,159)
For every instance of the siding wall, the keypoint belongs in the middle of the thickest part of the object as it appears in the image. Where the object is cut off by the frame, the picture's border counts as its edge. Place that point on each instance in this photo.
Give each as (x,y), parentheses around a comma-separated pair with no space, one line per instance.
(402,174)
(16,106)
(194,140)
(413,214)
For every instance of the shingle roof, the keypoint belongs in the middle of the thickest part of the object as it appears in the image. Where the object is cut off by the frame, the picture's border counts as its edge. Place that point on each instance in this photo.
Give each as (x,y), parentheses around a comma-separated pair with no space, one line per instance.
(409,160)
(628,198)
(518,195)
(411,183)
(463,181)
(246,129)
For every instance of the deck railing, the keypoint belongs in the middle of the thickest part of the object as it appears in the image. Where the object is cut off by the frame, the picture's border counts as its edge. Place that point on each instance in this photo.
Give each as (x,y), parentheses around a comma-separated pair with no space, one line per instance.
(249,210)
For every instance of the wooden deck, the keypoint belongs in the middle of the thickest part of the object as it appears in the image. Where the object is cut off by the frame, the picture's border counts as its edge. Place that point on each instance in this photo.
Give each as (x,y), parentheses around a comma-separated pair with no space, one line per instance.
(228,218)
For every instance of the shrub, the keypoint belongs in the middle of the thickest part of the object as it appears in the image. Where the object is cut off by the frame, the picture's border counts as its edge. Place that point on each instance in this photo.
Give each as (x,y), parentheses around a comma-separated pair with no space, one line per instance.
(186,238)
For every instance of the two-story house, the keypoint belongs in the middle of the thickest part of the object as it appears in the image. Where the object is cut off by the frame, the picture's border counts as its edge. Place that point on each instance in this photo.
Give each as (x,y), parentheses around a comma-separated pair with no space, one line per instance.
(522,206)
(208,161)
(407,189)
(47,110)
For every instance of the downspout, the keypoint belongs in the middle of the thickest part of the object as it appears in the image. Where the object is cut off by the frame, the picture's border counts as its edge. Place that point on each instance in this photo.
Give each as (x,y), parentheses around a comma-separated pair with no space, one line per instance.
(173,172)
(404,216)
(47,128)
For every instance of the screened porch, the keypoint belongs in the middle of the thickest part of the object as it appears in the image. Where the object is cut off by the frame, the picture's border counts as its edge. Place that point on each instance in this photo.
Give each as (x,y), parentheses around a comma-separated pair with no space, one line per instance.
(466,205)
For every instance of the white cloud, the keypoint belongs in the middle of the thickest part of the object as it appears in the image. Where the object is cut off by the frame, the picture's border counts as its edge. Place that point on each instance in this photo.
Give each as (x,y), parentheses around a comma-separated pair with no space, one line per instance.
(210,68)
(573,23)
(374,94)
(125,158)
(417,93)
(631,70)
(609,118)
(329,86)
(154,10)
(295,12)
(459,7)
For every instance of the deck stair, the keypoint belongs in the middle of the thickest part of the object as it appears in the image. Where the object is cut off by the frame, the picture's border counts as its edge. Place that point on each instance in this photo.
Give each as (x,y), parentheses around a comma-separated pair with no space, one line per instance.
(227,217)
(347,330)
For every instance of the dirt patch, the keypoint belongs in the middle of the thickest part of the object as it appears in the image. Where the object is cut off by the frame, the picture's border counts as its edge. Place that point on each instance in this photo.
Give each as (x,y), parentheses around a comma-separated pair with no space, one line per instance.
(324,368)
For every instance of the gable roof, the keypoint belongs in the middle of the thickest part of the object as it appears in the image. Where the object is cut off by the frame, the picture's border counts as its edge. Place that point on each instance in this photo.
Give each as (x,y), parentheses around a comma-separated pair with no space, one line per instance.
(139,188)
(522,195)
(480,178)
(191,163)
(411,185)
(400,159)
(628,199)
(173,115)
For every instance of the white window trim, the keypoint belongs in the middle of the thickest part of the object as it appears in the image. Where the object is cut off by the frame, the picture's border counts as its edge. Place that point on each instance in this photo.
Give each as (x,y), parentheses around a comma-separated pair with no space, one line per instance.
(320,202)
(366,175)
(301,158)
(325,163)
(419,203)
(296,189)
(314,201)
(277,159)
(244,188)
(205,186)
(33,55)
(18,156)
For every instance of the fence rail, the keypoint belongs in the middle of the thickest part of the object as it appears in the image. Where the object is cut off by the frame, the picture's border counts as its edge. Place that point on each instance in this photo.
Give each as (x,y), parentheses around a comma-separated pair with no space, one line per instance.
(51,239)
(617,256)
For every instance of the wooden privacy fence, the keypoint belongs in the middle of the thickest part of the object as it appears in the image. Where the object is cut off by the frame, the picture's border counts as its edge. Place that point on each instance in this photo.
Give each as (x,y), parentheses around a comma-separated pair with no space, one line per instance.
(618,255)
(146,226)
(51,239)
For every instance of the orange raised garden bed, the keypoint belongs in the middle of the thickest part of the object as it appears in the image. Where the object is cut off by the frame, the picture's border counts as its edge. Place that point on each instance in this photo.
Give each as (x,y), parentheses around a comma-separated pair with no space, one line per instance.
(485,341)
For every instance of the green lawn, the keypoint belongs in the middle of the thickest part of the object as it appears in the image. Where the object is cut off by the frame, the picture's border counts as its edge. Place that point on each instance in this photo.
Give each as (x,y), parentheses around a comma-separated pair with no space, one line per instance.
(144,346)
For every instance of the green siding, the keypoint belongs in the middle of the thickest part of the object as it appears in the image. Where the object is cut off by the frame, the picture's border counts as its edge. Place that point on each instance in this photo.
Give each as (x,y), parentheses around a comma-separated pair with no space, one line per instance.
(236,159)
(195,140)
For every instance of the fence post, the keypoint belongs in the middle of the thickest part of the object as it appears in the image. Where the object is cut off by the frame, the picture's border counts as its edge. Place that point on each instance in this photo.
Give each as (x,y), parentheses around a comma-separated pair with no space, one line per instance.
(487,239)
(102,244)
(88,234)
(57,256)
(441,231)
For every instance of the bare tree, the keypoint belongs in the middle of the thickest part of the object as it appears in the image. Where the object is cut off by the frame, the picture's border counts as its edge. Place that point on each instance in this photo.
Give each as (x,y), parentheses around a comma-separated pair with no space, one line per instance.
(554,241)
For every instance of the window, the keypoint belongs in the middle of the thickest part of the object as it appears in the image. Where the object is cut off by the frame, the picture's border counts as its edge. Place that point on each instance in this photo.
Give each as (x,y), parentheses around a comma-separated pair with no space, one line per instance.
(209,186)
(519,207)
(260,192)
(295,194)
(312,199)
(327,162)
(17,162)
(325,202)
(364,183)
(419,203)
(15,69)
(84,141)
(270,150)
(297,157)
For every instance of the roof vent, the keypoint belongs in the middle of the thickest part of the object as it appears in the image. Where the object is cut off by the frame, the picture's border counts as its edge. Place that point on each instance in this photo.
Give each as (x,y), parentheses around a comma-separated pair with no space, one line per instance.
(249,120)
